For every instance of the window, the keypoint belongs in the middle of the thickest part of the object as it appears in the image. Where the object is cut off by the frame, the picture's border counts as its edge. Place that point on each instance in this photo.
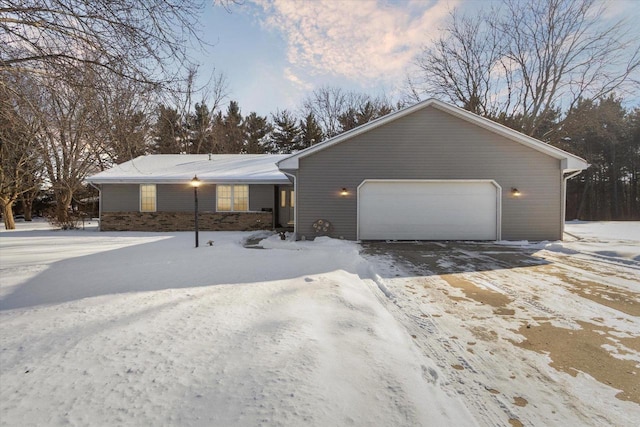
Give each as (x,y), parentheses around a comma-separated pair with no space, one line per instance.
(284,199)
(147,198)
(232,198)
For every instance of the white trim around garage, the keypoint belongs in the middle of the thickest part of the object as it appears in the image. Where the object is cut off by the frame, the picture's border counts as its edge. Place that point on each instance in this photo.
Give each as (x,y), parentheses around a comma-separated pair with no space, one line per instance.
(498,198)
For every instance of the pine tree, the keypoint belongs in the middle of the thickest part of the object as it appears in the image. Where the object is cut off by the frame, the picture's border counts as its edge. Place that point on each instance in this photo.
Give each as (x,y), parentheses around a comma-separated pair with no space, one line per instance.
(286,136)
(367,111)
(233,132)
(168,132)
(310,130)
(200,127)
(599,132)
(257,129)
(218,134)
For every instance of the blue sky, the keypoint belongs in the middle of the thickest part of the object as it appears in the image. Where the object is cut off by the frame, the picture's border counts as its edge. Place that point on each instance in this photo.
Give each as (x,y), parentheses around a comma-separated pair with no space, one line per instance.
(275,52)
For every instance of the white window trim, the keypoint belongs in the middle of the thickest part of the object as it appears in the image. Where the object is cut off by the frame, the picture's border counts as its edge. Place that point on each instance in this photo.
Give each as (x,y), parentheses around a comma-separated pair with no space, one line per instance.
(232,197)
(155,202)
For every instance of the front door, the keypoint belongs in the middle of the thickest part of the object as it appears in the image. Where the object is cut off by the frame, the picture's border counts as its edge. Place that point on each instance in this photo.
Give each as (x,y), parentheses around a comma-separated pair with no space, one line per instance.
(286,209)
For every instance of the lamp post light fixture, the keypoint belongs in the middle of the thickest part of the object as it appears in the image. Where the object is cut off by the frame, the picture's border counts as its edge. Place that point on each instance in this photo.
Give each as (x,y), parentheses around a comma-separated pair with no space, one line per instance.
(195,183)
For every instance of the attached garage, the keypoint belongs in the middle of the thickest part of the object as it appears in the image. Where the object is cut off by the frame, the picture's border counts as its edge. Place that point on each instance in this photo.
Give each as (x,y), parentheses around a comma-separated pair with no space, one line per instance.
(429,210)
(431,171)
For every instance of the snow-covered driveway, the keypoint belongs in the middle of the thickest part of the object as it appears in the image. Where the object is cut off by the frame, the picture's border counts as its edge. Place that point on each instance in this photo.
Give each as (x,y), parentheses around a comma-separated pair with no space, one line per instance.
(541,334)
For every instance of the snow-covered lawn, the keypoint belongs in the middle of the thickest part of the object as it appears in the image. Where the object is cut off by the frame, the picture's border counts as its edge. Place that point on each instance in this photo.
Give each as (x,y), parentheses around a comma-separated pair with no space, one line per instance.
(143,329)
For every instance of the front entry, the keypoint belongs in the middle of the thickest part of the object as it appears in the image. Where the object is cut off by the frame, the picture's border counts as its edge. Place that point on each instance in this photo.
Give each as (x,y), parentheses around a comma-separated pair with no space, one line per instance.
(286,206)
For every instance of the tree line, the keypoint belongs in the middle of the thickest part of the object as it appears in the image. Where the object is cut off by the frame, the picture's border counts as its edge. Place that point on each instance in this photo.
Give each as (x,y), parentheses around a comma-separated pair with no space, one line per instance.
(207,130)
(86,85)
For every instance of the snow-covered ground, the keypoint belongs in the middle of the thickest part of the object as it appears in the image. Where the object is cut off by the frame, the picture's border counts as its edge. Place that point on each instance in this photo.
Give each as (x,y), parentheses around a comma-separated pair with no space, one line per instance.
(541,334)
(143,329)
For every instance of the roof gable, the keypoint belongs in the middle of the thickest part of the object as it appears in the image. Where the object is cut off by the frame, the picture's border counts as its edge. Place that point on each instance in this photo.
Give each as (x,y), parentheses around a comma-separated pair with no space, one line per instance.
(569,161)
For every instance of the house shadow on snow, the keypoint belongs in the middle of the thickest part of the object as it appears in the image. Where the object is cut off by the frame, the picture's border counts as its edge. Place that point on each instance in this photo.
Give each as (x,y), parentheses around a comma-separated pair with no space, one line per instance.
(153,262)
(429,258)
(161,261)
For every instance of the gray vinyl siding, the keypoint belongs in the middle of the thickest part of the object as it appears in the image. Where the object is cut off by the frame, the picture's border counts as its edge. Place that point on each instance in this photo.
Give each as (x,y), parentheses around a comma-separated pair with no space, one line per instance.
(431,144)
(120,197)
(177,197)
(260,197)
(180,198)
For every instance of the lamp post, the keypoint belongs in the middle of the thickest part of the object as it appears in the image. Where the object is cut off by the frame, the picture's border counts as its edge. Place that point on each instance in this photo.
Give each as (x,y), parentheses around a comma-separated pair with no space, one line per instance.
(195,183)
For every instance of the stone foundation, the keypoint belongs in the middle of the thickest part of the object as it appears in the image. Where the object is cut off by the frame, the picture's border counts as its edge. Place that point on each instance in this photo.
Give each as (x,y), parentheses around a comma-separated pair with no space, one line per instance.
(184,221)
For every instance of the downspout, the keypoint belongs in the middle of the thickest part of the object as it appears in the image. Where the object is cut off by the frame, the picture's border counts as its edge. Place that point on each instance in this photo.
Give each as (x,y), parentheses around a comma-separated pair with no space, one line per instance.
(564,200)
(295,209)
(99,206)
(275,212)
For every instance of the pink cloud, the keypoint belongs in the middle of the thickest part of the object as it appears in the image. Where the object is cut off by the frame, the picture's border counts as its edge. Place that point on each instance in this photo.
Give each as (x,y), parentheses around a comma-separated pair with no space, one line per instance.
(362,40)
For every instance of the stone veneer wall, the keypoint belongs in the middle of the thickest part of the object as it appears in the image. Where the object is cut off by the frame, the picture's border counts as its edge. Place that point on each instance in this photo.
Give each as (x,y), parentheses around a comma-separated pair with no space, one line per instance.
(184,221)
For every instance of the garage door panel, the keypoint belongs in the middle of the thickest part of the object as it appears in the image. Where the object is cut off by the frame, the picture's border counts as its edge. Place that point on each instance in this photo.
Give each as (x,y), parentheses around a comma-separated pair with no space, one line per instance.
(419,210)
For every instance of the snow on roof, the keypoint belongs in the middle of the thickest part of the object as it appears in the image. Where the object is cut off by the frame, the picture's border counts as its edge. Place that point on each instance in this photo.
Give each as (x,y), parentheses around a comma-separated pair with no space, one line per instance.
(181,168)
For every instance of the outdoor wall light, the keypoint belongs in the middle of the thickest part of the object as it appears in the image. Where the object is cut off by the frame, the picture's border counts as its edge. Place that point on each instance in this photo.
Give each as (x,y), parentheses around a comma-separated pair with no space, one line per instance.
(515,192)
(344,192)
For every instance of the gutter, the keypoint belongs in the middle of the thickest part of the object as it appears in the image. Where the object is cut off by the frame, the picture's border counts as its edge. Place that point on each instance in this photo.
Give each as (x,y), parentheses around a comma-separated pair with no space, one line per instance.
(563,211)
(295,209)
(188,181)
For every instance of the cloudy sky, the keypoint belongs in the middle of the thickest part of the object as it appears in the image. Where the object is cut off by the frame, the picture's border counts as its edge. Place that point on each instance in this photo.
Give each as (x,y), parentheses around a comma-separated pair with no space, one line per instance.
(274,52)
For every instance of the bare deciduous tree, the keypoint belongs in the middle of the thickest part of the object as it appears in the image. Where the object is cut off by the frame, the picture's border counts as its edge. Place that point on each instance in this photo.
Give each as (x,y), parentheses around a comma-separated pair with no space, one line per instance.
(463,66)
(19,171)
(335,109)
(94,62)
(527,59)
(326,104)
(123,126)
(143,40)
(68,144)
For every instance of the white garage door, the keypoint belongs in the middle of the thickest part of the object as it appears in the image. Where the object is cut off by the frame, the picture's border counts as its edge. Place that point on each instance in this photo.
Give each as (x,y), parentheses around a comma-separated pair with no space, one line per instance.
(428,210)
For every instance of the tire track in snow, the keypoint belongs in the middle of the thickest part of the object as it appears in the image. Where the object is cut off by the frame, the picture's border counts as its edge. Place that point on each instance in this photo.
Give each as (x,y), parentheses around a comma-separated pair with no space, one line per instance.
(488,408)
(473,381)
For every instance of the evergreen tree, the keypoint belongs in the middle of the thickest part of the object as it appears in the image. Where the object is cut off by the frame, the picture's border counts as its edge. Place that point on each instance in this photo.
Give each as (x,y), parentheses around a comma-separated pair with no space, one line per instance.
(286,136)
(233,132)
(168,132)
(200,127)
(257,130)
(218,138)
(348,120)
(368,110)
(311,133)
(601,132)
